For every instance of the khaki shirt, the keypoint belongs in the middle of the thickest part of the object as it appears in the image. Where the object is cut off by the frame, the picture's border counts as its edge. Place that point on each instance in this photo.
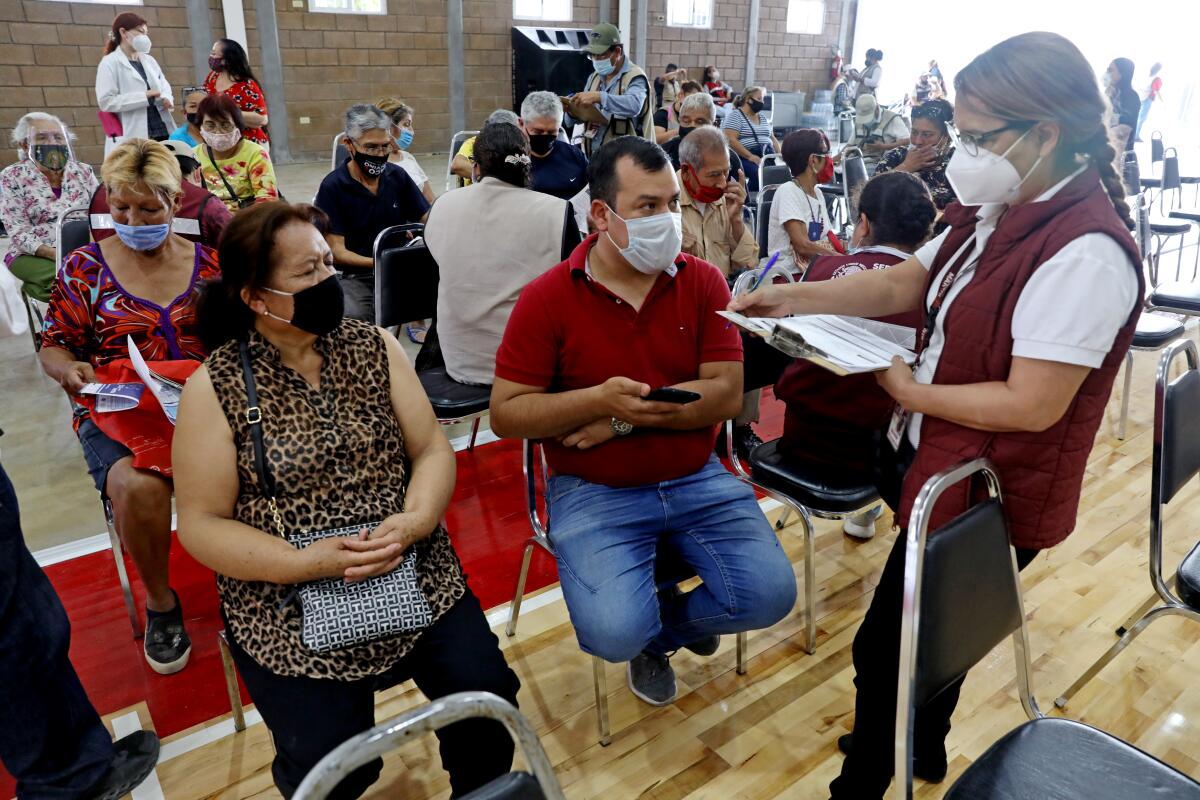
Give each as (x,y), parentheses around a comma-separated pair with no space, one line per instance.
(708,235)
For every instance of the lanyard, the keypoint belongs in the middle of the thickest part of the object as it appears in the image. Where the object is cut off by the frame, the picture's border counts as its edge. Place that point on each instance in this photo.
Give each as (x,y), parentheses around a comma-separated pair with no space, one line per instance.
(948,279)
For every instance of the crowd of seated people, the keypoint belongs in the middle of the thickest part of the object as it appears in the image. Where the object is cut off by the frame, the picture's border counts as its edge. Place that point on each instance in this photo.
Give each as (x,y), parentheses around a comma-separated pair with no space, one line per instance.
(666,118)
(460,165)
(45,181)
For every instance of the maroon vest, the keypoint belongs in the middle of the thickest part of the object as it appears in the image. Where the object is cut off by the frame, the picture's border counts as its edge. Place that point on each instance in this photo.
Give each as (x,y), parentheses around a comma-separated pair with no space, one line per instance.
(1041,473)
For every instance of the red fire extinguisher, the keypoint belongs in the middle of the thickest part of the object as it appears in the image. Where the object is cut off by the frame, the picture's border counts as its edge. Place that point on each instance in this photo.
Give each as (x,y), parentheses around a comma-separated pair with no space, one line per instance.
(835,66)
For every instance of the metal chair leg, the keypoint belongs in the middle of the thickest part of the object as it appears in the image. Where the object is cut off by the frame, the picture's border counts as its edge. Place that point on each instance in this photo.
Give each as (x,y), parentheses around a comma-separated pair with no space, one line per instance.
(1125,394)
(601,683)
(1141,625)
(810,583)
(1151,601)
(474,433)
(781,523)
(122,575)
(741,653)
(514,609)
(231,683)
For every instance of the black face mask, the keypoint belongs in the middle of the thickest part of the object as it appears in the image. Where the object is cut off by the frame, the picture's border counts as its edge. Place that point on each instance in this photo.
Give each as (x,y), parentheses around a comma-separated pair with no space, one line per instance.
(193,118)
(684,130)
(318,309)
(756,106)
(540,144)
(53,157)
(372,166)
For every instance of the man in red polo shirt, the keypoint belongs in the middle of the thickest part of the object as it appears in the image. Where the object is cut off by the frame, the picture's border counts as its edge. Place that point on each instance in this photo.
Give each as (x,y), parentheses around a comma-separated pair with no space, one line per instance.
(585,344)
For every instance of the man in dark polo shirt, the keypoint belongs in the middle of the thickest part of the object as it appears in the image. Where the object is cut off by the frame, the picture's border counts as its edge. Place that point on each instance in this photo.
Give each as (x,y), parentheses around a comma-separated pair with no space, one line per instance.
(363,196)
(585,344)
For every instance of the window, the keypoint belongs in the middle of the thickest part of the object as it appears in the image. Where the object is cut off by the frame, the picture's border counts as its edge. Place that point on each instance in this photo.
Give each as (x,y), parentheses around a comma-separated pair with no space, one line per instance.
(542,9)
(348,6)
(108,2)
(806,16)
(689,13)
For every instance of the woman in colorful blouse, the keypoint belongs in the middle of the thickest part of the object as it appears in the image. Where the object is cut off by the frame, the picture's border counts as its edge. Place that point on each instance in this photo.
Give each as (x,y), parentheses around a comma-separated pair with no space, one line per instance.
(231,76)
(929,152)
(141,283)
(233,168)
(350,440)
(46,181)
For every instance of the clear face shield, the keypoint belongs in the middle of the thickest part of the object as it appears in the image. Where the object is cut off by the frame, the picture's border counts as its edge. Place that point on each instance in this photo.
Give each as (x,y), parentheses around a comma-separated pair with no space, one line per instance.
(49,145)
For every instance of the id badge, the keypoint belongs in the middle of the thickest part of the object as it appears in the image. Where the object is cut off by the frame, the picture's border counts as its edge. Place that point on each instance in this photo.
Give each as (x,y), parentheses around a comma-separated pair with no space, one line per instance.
(897,427)
(815,231)
(591,130)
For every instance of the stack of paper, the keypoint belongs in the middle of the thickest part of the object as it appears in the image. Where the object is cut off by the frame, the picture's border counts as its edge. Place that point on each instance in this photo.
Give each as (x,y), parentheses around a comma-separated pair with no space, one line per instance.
(843,345)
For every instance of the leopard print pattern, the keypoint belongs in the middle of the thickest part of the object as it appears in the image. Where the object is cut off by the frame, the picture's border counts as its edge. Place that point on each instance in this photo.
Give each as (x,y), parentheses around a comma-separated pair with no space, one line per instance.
(336,454)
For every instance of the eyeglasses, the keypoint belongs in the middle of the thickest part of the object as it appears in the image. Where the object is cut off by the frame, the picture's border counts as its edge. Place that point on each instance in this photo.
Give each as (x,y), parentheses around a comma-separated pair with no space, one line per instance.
(213,126)
(973,142)
(374,149)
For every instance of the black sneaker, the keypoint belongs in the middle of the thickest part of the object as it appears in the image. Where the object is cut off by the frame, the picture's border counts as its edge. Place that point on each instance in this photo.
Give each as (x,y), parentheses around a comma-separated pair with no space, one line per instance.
(167,645)
(928,770)
(135,758)
(706,646)
(652,679)
(745,440)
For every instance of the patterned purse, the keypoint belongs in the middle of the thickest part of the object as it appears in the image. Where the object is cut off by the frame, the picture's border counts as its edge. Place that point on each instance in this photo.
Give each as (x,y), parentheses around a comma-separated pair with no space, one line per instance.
(336,613)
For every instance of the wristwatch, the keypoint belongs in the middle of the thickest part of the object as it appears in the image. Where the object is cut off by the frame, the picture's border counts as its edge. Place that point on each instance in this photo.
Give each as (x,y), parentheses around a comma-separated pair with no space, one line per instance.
(620,427)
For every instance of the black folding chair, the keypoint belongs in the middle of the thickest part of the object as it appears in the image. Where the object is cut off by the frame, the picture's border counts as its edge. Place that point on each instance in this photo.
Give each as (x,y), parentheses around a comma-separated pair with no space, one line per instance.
(339,152)
(1176,460)
(406,288)
(962,597)
(762,218)
(539,783)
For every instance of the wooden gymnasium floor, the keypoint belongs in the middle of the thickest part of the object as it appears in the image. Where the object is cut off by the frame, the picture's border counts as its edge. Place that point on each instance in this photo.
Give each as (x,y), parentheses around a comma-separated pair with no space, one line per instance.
(772,732)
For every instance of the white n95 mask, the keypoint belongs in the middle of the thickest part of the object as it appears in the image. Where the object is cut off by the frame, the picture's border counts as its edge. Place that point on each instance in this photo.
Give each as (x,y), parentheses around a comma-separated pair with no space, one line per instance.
(986,177)
(654,242)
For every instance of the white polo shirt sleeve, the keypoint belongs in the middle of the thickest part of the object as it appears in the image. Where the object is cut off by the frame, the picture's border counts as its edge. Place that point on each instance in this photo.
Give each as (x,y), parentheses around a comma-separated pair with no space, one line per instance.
(928,251)
(1074,305)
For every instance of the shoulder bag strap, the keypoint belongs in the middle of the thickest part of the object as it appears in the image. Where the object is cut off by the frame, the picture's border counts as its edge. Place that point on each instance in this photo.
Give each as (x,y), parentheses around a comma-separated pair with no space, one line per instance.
(221,174)
(761,144)
(254,420)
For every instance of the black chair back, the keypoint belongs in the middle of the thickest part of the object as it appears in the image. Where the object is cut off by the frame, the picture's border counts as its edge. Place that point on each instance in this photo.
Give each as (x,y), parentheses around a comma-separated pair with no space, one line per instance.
(1156,147)
(1142,232)
(406,277)
(854,176)
(1131,174)
(1176,458)
(765,198)
(1170,175)
(340,152)
(774,175)
(75,234)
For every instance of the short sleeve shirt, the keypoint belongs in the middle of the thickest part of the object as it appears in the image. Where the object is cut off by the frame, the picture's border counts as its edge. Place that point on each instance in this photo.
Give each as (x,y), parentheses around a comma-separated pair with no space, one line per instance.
(562,173)
(567,332)
(793,203)
(358,215)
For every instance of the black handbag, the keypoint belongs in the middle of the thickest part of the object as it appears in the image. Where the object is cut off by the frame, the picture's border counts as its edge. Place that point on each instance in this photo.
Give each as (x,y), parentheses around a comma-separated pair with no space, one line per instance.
(338,613)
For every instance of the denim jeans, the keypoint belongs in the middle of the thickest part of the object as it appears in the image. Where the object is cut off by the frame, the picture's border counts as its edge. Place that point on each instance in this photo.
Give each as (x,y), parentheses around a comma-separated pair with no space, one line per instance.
(51,739)
(606,539)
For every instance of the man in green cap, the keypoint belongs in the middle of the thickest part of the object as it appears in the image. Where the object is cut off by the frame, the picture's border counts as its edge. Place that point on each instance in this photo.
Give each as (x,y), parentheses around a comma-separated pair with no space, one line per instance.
(616,100)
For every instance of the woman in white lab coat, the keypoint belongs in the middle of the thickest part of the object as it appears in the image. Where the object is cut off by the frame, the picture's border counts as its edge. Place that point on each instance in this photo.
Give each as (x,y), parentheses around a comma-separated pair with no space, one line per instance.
(131,85)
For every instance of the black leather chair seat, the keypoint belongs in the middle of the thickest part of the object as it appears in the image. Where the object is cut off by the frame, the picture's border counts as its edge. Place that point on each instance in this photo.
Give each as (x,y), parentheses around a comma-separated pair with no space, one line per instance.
(450,398)
(1154,331)
(1189,178)
(1190,214)
(1169,227)
(1151,183)
(814,486)
(832,188)
(1065,760)
(1187,581)
(1182,296)
(513,786)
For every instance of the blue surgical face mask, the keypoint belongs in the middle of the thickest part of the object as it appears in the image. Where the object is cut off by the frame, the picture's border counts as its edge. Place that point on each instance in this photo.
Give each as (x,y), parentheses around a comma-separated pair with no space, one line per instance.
(604,67)
(405,139)
(142,237)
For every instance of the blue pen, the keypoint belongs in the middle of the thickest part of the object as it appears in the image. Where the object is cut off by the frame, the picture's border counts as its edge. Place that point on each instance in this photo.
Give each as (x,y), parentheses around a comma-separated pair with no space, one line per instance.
(762,274)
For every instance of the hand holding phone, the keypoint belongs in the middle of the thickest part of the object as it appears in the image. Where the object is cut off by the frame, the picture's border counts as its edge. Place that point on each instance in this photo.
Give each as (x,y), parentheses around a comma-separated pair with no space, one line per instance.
(669,394)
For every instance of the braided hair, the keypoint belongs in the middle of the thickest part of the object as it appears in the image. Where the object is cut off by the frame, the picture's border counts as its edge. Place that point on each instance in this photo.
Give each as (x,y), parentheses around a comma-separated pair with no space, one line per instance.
(1043,76)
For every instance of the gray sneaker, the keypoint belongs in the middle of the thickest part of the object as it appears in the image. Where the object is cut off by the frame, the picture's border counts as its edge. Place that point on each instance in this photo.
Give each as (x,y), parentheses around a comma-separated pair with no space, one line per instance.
(652,679)
(166,644)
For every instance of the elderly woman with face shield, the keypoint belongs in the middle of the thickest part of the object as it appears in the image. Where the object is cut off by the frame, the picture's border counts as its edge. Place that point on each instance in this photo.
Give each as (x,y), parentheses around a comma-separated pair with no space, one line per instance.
(46,181)
(142,285)
(1028,304)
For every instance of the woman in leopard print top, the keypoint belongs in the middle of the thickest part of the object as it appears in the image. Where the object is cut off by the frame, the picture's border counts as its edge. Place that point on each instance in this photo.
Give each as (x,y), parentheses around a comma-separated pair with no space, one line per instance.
(350,437)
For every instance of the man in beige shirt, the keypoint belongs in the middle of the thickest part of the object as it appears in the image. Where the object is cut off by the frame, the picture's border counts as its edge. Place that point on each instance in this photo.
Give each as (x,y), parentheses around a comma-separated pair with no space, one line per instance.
(711,204)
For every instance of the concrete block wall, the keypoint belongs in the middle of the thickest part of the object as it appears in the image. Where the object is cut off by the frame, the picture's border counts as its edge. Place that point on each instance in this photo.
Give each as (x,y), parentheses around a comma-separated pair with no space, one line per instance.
(49,51)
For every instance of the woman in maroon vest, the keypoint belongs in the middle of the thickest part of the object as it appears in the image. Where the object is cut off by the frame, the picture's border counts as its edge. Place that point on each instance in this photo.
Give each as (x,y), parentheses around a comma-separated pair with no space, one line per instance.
(1029,302)
(832,422)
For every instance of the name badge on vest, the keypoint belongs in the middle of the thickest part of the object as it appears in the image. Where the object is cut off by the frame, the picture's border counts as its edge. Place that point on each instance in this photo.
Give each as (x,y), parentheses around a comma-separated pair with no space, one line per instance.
(816,231)
(897,427)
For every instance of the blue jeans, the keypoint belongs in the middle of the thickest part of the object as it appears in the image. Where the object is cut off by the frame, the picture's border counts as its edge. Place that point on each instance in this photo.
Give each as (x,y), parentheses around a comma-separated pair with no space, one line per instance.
(606,539)
(51,739)
(1143,112)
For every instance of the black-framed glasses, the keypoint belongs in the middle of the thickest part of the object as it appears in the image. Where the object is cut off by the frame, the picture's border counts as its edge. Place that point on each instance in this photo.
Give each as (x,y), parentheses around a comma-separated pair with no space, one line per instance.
(973,142)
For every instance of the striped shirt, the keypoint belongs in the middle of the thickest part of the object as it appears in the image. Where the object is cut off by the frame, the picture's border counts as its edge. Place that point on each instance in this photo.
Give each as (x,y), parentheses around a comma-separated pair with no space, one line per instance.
(755,137)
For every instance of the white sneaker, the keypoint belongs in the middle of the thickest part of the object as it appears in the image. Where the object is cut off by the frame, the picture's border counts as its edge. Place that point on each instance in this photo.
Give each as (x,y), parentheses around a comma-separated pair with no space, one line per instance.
(862,526)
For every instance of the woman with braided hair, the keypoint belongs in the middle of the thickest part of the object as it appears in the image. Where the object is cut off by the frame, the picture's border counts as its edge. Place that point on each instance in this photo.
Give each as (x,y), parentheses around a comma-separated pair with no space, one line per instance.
(1029,301)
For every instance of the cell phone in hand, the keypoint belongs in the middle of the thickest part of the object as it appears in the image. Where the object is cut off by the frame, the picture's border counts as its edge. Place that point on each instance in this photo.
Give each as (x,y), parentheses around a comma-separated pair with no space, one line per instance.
(669,394)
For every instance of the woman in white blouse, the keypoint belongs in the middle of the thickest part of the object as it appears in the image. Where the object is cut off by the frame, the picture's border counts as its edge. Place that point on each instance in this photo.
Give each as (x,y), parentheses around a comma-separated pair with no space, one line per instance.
(131,85)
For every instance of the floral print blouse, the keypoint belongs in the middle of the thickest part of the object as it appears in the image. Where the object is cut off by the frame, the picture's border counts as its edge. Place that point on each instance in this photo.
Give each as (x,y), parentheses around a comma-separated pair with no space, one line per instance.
(934,178)
(248,171)
(29,207)
(249,97)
